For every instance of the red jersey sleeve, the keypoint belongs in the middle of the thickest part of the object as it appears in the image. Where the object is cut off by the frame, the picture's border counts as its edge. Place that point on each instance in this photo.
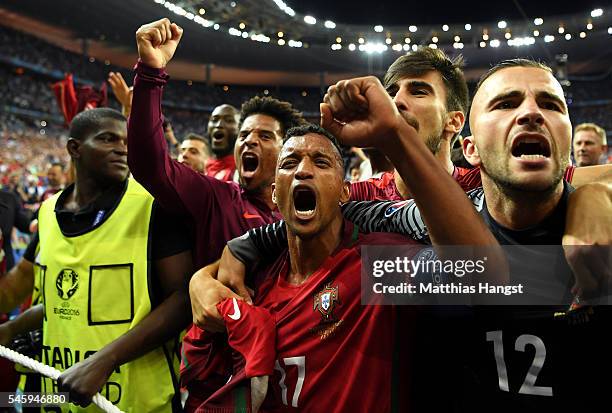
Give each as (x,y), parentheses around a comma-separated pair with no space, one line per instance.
(251,332)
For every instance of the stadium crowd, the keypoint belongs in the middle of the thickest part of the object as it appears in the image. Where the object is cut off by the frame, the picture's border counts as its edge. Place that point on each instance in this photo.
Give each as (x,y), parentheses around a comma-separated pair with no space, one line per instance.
(232,242)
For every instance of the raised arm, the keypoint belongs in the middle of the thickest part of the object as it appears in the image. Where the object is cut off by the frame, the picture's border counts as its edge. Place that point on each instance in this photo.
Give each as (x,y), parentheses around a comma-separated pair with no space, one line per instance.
(359,112)
(176,186)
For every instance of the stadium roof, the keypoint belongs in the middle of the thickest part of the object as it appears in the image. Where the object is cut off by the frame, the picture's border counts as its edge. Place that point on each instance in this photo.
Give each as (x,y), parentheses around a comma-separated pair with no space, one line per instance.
(233,33)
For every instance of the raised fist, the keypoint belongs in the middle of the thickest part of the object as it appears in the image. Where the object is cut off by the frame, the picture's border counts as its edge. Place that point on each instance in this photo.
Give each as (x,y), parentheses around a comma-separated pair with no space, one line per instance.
(157,42)
(359,112)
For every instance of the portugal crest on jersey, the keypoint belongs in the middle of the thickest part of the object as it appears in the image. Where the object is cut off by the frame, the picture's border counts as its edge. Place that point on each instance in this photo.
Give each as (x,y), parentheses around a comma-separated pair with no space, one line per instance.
(325,301)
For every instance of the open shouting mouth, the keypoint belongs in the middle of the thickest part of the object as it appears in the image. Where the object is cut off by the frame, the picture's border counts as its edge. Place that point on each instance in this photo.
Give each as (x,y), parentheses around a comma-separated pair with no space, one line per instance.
(218,137)
(304,202)
(531,147)
(250,163)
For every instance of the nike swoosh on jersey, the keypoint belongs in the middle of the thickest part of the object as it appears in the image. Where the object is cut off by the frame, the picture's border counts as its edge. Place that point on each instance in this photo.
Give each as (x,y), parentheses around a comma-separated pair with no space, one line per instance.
(236,315)
(250,216)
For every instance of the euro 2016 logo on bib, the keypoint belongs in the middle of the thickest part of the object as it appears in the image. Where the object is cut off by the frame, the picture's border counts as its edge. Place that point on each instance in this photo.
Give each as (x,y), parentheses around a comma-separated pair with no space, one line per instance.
(67,283)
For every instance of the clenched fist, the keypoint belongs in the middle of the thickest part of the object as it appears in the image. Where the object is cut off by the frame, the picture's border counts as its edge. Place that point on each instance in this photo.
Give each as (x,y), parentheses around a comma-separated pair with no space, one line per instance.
(157,42)
(359,112)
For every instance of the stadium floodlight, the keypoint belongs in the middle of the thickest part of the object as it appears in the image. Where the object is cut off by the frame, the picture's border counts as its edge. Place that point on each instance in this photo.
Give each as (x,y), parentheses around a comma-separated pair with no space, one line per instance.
(407,40)
(582,35)
(433,45)
(609,30)
(361,40)
(397,47)
(245,35)
(388,40)
(494,43)
(370,48)
(260,38)
(338,39)
(485,37)
(568,36)
(378,28)
(502,24)
(549,38)
(521,41)
(457,38)
(310,20)
(406,47)
(536,33)
(329,24)
(538,21)
(415,47)
(295,43)
(216,26)
(434,39)
(445,27)
(468,27)
(590,26)
(281,5)
(281,42)
(508,35)
(412,29)
(351,47)
(596,13)
(202,11)
(458,45)
(483,44)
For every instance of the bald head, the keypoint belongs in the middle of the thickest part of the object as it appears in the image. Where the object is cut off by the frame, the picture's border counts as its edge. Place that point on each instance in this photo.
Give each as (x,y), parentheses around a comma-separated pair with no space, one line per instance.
(223,129)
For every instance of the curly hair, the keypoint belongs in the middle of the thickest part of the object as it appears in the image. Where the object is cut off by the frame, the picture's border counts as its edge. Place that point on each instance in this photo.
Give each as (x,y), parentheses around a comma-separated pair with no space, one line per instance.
(282,111)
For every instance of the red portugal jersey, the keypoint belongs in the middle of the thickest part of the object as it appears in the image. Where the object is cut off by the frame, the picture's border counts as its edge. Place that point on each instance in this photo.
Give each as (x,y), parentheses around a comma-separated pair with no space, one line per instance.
(223,169)
(334,354)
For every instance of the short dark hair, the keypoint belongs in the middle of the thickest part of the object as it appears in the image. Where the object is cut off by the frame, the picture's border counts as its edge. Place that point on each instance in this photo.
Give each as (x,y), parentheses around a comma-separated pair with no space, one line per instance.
(84,122)
(195,137)
(307,128)
(505,64)
(426,59)
(61,165)
(282,111)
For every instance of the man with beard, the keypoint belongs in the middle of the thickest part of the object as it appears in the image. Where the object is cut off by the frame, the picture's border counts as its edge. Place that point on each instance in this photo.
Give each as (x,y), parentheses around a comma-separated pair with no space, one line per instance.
(222,132)
(521,141)
(55,181)
(218,210)
(431,93)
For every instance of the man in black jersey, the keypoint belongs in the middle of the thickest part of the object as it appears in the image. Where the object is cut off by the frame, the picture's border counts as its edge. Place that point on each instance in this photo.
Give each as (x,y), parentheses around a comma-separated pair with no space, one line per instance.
(509,358)
(501,358)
